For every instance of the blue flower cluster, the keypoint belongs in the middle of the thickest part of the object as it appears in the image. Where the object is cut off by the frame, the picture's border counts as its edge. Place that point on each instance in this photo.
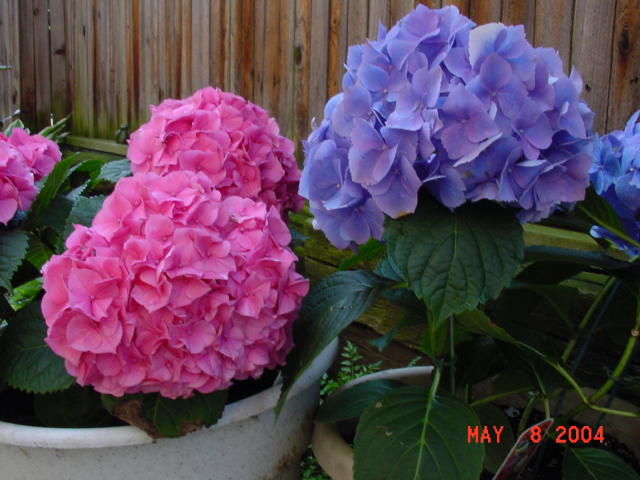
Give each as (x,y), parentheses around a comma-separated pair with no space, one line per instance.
(467,113)
(615,175)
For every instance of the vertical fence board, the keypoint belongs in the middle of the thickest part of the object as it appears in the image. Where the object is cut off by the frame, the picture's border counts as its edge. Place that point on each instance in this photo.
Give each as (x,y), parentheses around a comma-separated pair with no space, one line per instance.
(398,9)
(27,64)
(624,88)
(485,11)
(378,13)
(200,44)
(9,56)
(318,54)
(301,72)
(591,53)
(552,19)
(106,61)
(337,44)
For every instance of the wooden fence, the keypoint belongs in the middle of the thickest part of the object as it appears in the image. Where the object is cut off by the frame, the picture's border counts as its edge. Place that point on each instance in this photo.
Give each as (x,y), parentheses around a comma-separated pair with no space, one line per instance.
(105,61)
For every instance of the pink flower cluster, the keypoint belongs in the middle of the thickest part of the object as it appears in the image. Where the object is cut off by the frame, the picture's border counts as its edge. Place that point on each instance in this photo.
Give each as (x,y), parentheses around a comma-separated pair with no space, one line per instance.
(233,141)
(24,159)
(175,288)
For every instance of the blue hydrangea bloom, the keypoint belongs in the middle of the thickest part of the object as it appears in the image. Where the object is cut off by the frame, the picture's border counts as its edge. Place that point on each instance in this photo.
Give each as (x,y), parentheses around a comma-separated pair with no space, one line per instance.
(615,175)
(467,113)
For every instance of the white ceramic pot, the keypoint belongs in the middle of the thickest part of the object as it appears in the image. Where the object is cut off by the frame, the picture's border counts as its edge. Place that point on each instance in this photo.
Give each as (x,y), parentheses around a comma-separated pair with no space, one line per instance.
(248,443)
(335,455)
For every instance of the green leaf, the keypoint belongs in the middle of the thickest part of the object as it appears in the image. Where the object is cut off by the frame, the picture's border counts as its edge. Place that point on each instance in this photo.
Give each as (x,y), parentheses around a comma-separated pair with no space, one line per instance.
(25,293)
(477,322)
(352,402)
(82,212)
(560,297)
(549,272)
(495,452)
(13,247)
(49,190)
(38,252)
(297,238)
(17,123)
(366,253)
(595,464)
(388,269)
(115,170)
(29,364)
(599,211)
(75,407)
(456,260)
(393,442)
(435,344)
(174,418)
(331,305)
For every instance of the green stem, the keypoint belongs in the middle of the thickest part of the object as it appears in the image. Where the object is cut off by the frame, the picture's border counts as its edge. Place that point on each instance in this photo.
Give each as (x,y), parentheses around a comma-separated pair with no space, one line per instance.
(452,357)
(527,413)
(613,378)
(587,317)
(491,398)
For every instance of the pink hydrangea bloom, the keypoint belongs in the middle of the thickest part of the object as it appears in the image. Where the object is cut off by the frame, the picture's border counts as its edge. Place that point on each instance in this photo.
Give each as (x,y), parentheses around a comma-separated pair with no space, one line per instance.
(173,289)
(40,153)
(233,141)
(17,189)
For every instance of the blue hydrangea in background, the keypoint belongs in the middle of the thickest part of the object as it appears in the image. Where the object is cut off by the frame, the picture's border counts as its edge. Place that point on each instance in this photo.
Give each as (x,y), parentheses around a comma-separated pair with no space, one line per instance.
(615,175)
(466,113)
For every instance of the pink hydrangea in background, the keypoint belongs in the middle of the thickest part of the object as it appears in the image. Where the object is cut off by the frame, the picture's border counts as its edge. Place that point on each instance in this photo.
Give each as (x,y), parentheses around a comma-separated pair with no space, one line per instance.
(24,159)
(40,153)
(173,289)
(233,141)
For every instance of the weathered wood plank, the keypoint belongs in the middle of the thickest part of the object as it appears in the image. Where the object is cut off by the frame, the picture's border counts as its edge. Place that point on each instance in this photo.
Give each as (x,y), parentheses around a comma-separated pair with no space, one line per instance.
(463,5)
(301,72)
(357,25)
(42,62)
(219,45)
(552,18)
(337,52)
(201,44)
(97,144)
(430,3)
(486,11)
(624,87)
(591,47)
(378,13)
(520,12)
(398,9)
(28,105)
(104,83)
(318,53)
(259,40)
(9,56)
(60,106)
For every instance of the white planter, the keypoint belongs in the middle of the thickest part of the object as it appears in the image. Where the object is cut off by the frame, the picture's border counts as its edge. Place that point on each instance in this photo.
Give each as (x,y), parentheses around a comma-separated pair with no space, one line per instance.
(248,443)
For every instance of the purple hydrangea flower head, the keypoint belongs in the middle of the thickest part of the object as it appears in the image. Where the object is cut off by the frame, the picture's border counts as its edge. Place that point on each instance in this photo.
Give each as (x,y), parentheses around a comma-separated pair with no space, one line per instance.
(615,175)
(467,113)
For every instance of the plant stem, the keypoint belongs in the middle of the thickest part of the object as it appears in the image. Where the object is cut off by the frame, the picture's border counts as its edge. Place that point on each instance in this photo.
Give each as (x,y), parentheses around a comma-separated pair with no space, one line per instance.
(527,413)
(452,357)
(491,398)
(587,317)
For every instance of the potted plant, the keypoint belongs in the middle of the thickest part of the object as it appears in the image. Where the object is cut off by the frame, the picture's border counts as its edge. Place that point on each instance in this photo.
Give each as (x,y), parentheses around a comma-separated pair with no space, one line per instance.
(447,137)
(167,304)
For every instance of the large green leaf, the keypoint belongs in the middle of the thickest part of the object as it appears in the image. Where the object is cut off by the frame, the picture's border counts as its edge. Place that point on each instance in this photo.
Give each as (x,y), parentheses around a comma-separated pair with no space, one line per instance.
(456,260)
(368,252)
(50,188)
(28,363)
(477,322)
(115,170)
(595,464)
(352,402)
(174,418)
(38,252)
(82,212)
(331,306)
(75,407)
(393,442)
(496,451)
(13,247)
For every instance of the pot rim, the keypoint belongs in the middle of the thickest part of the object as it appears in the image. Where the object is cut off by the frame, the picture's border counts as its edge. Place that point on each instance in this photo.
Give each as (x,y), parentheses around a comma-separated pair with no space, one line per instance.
(100,437)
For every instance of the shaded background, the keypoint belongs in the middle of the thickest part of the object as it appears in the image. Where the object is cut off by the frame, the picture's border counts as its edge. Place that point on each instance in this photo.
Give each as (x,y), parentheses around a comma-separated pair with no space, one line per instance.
(105,61)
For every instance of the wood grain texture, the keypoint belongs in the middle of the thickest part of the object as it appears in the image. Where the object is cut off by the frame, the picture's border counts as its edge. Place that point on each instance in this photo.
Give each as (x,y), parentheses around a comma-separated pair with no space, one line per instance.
(485,11)
(624,91)
(552,20)
(591,48)
(107,61)
(10,57)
